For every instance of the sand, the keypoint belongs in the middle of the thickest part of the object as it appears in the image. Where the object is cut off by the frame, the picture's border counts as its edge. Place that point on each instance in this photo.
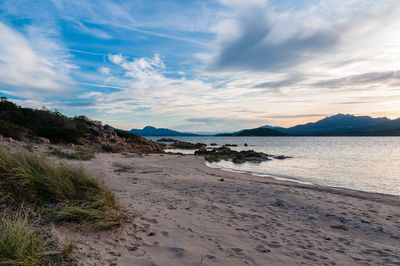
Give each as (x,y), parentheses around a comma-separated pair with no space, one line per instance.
(181,213)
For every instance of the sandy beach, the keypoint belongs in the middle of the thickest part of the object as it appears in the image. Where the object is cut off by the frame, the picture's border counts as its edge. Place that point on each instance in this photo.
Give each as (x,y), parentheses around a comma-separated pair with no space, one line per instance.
(181,212)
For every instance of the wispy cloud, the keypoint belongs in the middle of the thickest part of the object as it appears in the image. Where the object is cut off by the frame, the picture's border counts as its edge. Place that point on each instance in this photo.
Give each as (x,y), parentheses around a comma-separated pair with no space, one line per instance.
(27,71)
(196,65)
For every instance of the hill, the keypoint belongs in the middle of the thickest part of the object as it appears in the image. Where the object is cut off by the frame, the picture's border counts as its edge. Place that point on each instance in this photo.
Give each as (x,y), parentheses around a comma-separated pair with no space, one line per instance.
(340,123)
(152,131)
(44,125)
(337,125)
(262,132)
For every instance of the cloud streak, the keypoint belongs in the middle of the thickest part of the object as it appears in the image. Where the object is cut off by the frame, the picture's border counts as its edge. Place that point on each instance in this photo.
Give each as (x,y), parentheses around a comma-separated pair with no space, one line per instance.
(26,71)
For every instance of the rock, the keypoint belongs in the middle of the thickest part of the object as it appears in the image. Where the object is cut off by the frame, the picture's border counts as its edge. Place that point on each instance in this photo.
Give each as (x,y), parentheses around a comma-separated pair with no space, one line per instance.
(11,140)
(245,145)
(42,140)
(187,145)
(213,144)
(222,180)
(238,160)
(225,153)
(70,145)
(203,149)
(230,145)
(280,157)
(253,159)
(167,140)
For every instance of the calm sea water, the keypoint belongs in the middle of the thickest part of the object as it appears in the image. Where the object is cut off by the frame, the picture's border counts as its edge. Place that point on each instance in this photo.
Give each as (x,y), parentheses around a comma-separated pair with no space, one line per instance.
(359,163)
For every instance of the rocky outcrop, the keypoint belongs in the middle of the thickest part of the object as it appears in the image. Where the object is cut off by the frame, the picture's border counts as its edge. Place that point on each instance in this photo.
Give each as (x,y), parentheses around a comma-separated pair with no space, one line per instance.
(167,140)
(112,140)
(225,153)
(187,145)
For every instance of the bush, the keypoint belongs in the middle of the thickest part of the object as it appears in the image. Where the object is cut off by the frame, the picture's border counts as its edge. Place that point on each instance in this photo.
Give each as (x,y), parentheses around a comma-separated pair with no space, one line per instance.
(107,148)
(25,177)
(125,134)
(9,129)
(52,125)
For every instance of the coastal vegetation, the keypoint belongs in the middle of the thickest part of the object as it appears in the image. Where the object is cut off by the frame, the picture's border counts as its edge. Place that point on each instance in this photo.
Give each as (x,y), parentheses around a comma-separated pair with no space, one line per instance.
(81,155)
(73,194)
(48,193)
(20,242)
(45,126)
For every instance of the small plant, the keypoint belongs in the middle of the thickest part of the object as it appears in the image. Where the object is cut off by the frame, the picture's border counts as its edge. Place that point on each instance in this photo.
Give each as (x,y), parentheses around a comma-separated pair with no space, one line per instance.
(107,148)
(83,156)
(20,243)
(69,248)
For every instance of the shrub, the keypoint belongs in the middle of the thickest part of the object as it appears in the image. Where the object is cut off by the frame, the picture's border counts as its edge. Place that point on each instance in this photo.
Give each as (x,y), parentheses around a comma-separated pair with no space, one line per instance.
(9,129)
(107,148)
(125,134)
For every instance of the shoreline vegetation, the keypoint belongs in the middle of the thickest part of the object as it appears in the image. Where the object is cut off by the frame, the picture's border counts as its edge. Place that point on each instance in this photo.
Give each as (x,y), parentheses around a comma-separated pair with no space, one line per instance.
(50,193)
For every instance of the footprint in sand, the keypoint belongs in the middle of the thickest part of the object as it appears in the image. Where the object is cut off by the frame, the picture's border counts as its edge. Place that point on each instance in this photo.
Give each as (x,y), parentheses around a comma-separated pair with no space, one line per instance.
(237,250)
(165,233)
(178,252)
(274,244)
(262,249)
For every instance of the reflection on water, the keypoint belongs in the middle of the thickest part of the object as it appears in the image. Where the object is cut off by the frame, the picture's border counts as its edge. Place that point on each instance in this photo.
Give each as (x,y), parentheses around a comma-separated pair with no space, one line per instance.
(360,163)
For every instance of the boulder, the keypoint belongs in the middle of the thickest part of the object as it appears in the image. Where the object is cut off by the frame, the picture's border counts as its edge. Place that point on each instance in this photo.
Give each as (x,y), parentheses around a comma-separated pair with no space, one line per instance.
(225,153)
(230,145)
(167,140)
(43,140)
(70,145)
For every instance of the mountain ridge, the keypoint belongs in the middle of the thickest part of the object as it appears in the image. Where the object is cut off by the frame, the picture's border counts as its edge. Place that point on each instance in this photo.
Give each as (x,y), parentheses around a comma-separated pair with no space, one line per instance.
(336,125)
(153,131)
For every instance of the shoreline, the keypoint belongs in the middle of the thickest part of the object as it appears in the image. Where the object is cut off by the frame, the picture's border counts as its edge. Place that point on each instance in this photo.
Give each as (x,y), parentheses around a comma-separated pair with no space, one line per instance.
(283,179)
(182,213)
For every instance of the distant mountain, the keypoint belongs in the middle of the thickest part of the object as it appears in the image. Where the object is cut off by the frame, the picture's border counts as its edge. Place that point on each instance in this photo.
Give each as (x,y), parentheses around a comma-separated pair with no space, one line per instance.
(337,125)
(264,132)
(152,131)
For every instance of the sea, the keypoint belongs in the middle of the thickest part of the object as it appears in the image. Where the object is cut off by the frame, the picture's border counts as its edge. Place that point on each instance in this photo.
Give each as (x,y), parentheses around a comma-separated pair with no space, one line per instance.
(369,164)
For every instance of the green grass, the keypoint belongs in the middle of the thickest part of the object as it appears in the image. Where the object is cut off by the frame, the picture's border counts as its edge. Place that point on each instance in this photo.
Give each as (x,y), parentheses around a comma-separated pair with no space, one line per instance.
(69,248)
(20,243)
(83,156)
(73,194)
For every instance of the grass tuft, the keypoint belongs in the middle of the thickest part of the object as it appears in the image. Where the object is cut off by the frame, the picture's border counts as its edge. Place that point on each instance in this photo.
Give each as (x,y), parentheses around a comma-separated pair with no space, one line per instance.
(83,156)
(20,243)
(77,195)
(69,248)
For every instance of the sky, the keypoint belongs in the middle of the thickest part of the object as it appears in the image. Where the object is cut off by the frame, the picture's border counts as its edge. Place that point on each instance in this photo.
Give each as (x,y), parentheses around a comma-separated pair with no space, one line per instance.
(202,65)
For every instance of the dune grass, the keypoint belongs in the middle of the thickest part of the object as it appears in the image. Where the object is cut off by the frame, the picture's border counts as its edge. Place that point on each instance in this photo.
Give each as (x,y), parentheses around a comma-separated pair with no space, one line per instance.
(20,243)
(73,194)
(83,156)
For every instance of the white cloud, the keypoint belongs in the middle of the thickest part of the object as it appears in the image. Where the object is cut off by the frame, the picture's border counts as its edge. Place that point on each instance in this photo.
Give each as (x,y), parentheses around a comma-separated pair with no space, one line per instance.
(93,31)
(104,70)
(25,70)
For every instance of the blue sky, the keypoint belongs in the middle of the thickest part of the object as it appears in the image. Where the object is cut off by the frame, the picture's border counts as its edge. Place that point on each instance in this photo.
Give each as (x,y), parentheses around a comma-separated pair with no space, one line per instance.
(210,65)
